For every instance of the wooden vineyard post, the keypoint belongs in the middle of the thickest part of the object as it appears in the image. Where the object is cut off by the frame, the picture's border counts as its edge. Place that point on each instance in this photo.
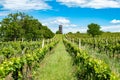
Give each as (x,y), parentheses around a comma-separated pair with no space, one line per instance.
(106,42)
(48,41)
(70,40)
(43,43)
(79,43)
(22,39)
(73,41)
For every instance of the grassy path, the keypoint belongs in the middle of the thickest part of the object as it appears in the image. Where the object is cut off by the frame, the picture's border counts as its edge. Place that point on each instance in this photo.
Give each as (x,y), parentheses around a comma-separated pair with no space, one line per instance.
(57,65)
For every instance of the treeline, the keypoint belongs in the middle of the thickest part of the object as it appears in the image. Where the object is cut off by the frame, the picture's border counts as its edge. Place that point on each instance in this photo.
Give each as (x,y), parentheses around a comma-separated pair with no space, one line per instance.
(86,35)
(20,26)
(94,30)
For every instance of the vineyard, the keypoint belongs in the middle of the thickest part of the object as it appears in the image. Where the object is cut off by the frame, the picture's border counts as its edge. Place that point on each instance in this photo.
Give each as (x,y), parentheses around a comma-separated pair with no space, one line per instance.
(59,39)
(20,59)
(96,58)
(63,57)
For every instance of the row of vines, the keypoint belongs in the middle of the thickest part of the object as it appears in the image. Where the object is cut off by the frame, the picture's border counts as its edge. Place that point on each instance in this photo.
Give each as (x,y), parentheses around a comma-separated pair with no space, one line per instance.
(88,67)
(106,47)
(20,60)
(109,45)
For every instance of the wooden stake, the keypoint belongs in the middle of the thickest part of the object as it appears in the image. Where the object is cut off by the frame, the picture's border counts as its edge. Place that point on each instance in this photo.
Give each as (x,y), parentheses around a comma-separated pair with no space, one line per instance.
(43,43)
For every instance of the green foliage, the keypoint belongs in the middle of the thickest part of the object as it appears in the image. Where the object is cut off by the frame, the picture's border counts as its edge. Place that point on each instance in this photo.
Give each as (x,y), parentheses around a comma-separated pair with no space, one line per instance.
(58,32)
(94,29)
(107,43)
(7,52)
(107,49)
(47,33)
(69,33)
(21,26)
(14,65)
(88,67)
(77,32)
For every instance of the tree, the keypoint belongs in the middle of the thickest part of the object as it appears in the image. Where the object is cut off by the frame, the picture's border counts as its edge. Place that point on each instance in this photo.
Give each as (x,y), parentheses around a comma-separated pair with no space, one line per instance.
(94,29)
(69,33)
(47,33)
(77,32)
(19,25)
(58,32)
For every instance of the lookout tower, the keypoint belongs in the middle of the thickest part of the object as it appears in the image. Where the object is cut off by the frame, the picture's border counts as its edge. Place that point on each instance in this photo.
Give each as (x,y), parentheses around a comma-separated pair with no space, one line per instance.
(60,29)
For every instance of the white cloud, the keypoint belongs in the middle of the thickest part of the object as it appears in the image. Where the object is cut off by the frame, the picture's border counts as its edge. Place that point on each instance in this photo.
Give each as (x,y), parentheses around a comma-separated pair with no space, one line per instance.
(111,28)
(24,5)
(4,13)
(115,21)
(75,29)
(53,24)
(58,21)
(97,4)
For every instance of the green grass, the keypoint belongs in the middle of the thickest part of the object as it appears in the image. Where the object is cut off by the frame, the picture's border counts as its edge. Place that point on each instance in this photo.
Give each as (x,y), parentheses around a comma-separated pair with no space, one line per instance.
(57,65)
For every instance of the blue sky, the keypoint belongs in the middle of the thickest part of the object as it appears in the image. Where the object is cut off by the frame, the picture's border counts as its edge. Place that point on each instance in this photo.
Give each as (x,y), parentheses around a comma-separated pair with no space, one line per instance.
(74,15)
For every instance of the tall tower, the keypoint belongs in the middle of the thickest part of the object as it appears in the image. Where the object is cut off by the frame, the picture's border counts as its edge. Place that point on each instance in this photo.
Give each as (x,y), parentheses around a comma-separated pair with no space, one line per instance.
(60,29)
